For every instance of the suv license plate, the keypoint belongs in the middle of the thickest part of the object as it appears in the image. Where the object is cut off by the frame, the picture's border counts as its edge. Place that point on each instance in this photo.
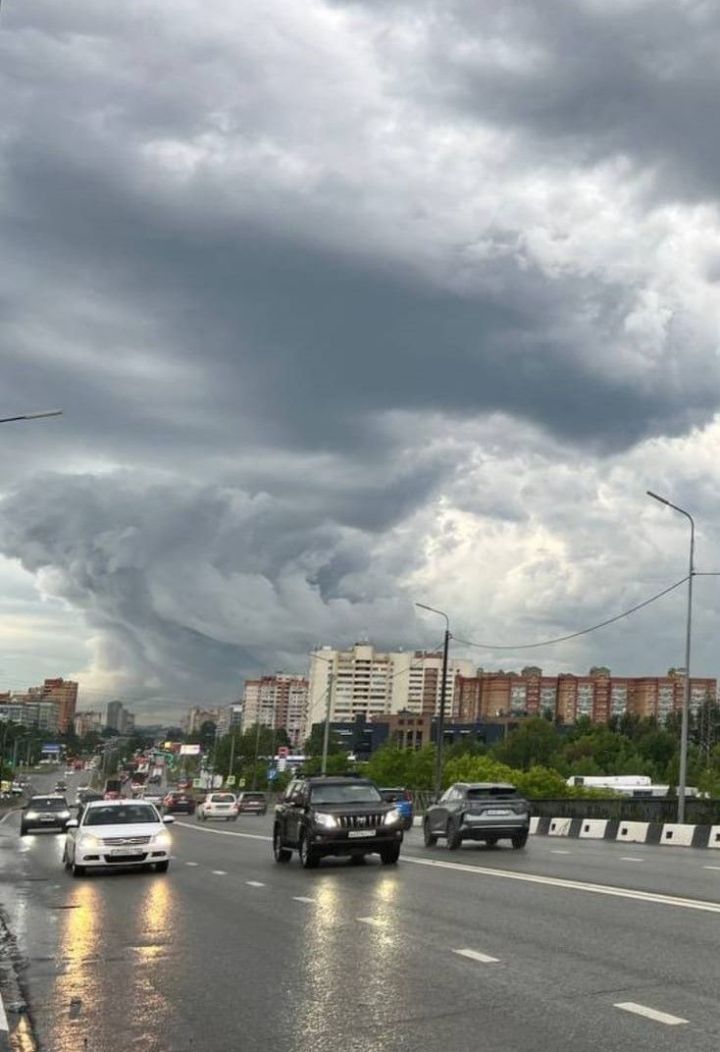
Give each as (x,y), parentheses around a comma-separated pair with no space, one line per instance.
(361,832)
(127,851)
(496,812)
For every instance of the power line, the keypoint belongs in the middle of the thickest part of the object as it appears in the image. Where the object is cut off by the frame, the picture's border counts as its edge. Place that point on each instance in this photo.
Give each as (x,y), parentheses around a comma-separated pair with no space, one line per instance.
(572,635)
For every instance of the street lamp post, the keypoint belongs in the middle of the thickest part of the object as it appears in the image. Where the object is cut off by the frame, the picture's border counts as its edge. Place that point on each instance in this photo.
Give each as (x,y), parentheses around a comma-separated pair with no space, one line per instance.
(443,690)
(682,779)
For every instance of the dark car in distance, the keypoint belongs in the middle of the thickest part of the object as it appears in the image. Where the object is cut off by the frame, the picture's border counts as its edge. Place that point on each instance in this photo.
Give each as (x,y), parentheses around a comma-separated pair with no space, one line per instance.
(178,803)
(252,804)
(45,812)
(335,816)
(487,811)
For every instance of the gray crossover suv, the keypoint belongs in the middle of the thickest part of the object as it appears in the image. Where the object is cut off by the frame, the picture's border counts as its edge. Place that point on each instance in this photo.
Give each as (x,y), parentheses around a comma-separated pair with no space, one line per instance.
(488,811)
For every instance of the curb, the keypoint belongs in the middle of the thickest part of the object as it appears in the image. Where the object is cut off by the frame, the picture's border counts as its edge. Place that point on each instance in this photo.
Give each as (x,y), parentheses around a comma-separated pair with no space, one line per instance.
(668,834)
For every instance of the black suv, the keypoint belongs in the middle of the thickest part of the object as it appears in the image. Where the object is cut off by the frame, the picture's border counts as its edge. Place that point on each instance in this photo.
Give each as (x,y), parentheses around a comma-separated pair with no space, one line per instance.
(335,816)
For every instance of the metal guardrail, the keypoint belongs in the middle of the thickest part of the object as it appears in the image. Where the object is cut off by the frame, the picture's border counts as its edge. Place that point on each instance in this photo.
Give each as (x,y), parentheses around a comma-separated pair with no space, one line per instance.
(697,812)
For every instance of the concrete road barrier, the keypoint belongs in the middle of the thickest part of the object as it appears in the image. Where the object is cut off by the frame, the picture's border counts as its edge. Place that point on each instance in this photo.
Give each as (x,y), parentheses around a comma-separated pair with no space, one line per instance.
(670,834)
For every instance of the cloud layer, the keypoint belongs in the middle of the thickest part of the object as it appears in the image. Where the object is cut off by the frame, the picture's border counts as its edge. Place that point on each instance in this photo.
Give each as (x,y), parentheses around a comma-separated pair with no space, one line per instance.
(347,300)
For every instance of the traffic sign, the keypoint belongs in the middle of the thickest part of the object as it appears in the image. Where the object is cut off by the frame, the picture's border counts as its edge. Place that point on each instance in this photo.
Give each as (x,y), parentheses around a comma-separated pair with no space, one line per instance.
(241,783)
(230,780)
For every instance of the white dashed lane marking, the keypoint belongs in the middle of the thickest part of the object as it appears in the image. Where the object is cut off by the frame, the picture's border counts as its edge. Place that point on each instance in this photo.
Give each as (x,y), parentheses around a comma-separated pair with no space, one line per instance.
(650,1013)
(475,955)
(219,872)
(630,858)
(255,883)
(191,863)
(302,898)
(558,851)
(372,921)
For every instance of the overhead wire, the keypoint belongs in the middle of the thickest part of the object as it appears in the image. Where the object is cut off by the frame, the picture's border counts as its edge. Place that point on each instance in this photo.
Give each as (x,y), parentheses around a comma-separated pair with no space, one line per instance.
(573,635)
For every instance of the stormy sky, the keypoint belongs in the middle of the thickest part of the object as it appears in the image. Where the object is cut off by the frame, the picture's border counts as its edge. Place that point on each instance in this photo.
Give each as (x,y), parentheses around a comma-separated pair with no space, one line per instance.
(349,304)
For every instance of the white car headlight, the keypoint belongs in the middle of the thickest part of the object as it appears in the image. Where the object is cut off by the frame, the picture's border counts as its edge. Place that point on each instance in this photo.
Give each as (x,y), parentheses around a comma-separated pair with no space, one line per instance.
(325,820)
(392,817)
(162,839)
(89,842)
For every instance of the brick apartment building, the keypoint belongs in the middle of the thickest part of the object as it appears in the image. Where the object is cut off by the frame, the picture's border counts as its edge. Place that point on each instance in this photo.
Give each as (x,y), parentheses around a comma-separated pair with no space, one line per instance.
(599,695)
(277,701)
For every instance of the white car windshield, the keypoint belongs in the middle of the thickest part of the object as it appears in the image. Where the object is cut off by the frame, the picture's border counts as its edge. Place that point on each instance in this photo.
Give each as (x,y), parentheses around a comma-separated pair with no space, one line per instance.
(120,816)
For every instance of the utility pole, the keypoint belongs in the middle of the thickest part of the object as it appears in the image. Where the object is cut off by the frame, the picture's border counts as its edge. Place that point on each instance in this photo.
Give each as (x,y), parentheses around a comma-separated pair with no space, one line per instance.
(440,743)
(257,749)
(326,731)
(232,754)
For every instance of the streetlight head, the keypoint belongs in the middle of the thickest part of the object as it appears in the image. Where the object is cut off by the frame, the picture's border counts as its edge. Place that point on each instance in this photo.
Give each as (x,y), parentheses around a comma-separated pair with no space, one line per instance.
(656,497)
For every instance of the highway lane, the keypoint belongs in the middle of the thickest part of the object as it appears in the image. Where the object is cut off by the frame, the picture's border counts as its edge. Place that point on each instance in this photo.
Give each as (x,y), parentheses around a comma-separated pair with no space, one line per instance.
(225,951)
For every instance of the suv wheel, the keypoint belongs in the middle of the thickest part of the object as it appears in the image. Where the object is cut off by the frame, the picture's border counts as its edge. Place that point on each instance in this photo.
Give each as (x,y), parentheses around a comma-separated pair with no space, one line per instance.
(520,840)
(454,837)
(308,857)
(282,854)
(429,838)
(390,854)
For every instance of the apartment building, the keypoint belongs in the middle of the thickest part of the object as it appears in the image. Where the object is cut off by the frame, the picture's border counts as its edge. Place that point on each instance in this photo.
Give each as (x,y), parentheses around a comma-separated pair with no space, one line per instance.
(87,723)
(119,718)
(599,695)
(42,715)
(277,701)
(231,718)
(370,683)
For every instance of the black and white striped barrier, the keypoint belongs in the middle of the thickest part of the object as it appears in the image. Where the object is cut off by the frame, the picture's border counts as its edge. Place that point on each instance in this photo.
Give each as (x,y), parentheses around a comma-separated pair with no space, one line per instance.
(669,833)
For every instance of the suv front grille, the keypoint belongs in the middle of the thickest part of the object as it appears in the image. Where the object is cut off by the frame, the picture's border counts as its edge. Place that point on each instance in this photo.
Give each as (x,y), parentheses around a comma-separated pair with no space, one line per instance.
(125,841)
(360,821)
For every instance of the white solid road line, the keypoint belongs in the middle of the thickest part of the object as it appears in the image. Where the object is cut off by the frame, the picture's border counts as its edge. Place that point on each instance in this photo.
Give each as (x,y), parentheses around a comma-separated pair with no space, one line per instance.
(7,814)
(475,955)
(255,883)
(222,832)
(711,867)
(372,921)
(570,885)
(302,898)
(219,872)
(650,1013)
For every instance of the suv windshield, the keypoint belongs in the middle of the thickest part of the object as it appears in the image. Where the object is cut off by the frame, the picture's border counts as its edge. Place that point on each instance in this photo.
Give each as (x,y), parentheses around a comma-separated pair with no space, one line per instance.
(345,793)
(120,816)
(493,790)
(48,803)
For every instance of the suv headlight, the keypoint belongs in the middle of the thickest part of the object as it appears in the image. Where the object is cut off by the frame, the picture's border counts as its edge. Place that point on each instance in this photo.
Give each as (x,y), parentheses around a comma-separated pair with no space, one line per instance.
(392,817)
(325,820)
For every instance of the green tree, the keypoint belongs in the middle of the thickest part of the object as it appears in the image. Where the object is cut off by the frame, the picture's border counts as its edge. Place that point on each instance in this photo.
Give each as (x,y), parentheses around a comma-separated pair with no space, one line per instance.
(535,741)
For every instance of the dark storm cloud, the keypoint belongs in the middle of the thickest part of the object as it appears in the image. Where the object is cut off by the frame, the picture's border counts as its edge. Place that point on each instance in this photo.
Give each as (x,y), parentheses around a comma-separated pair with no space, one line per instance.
(241,244)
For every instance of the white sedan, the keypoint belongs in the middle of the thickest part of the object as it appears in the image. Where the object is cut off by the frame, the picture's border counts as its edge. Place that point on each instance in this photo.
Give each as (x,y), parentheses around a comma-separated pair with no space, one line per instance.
(117,833)
(218,805)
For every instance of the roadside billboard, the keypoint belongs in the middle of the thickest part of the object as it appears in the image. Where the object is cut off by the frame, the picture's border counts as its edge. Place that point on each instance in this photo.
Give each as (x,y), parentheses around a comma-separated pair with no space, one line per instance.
(189,750)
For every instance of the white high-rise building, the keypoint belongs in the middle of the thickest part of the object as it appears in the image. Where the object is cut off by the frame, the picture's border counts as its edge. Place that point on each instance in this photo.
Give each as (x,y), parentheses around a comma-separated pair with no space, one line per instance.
(369,682)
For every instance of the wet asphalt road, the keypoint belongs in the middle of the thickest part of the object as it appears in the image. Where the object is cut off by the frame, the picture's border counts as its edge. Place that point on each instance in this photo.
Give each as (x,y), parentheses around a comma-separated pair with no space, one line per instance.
(230,951)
